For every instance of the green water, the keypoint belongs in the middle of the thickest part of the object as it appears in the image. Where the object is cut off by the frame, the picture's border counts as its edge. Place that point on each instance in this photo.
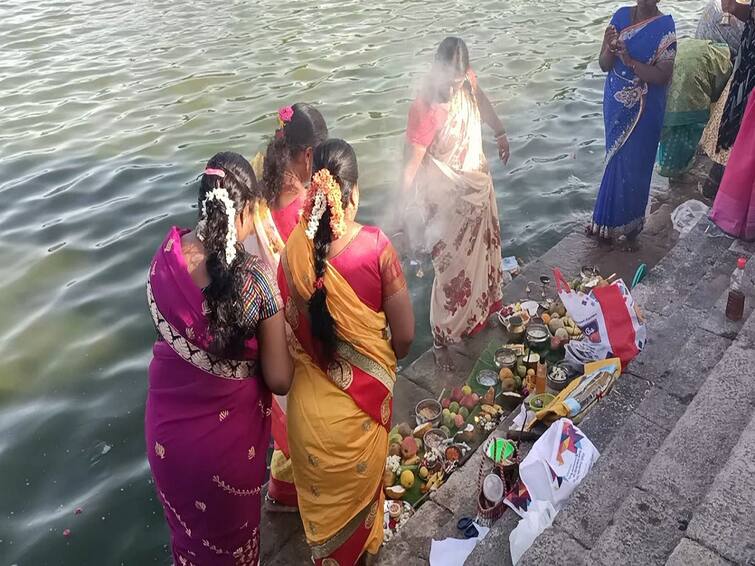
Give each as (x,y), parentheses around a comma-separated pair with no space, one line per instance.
(108,111)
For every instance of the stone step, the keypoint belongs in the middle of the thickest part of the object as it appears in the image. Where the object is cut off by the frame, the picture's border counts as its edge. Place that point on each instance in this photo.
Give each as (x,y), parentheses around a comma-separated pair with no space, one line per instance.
(725,522)
(647,401)
(655,515)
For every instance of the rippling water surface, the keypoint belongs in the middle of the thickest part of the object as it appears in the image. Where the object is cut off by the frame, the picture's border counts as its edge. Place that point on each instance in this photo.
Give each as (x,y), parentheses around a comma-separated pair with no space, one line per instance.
(108,110)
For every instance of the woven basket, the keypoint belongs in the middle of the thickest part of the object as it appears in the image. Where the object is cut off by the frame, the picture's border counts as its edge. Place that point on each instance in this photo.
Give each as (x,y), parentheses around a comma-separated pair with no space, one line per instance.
(509,474)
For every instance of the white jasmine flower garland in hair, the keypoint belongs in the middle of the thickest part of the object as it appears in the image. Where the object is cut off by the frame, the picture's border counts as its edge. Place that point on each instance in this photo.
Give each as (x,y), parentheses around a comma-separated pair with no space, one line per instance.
(318,209)
(221,195)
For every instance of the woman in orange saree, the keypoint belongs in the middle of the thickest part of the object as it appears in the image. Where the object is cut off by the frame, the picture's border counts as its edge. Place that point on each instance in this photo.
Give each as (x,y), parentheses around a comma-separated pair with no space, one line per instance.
(284,170)
(447,169)
(347,303)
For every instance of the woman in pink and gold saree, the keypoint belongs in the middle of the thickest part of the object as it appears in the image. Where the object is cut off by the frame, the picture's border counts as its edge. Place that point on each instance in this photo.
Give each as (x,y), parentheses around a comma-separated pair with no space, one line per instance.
(449,174)
(220,352)
(285,170)
(347,303)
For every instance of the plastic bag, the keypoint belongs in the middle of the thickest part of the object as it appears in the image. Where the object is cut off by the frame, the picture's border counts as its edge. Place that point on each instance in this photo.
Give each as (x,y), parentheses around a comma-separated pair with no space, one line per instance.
(538,518)
(557,463)
(609,320)
(687,215)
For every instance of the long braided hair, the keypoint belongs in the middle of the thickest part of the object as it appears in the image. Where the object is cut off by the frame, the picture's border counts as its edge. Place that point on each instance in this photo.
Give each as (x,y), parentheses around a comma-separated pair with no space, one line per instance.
(231,172)
(306,128)
(339,158)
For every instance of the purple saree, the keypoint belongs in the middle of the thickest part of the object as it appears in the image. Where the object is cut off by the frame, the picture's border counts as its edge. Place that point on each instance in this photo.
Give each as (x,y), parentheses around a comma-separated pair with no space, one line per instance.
(207,423)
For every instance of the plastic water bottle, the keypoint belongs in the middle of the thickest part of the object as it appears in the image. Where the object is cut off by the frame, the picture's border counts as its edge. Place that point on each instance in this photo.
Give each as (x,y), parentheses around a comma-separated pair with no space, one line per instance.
(735,305)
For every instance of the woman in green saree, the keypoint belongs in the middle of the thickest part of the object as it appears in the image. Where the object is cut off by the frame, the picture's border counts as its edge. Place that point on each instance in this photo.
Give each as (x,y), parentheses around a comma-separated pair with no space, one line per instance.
(701,71)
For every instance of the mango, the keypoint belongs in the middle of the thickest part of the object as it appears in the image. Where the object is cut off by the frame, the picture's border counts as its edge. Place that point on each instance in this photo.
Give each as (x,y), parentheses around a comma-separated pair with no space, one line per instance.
(407,479)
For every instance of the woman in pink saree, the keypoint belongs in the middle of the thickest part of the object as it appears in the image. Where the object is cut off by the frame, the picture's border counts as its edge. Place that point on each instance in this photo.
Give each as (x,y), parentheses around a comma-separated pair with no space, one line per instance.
(734,208)
(286,168)
(220,352)
(448,170)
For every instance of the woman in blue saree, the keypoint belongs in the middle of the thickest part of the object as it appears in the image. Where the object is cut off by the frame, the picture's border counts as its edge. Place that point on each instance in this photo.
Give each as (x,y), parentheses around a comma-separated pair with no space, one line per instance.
(638,53)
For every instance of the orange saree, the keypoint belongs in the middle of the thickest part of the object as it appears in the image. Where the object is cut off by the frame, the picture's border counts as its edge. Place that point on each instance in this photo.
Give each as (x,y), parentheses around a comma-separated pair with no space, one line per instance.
(339,413)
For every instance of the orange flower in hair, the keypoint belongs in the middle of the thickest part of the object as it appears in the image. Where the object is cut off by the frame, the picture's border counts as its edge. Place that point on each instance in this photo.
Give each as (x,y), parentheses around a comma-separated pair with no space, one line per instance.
(324,192)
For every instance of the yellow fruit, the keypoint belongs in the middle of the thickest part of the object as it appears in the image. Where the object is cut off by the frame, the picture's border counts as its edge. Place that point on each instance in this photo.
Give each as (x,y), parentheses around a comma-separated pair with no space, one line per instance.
(546,318)
(506,373)
(424,472)
(407,479)
(530,373)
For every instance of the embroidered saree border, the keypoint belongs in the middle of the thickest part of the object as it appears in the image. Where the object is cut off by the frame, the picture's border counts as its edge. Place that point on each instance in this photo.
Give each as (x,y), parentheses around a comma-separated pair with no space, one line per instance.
(219,367)
(344,349)
(325,549)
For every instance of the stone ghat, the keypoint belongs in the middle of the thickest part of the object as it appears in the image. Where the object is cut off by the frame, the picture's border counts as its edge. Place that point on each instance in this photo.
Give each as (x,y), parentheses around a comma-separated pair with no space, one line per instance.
(283,540)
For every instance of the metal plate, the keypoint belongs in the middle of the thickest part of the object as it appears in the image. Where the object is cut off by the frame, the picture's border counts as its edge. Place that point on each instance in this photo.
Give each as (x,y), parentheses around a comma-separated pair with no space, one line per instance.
(487,378)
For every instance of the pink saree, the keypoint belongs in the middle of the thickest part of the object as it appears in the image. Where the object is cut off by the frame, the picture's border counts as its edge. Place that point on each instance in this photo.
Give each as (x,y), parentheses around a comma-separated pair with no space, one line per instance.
(734,208)
(207,424)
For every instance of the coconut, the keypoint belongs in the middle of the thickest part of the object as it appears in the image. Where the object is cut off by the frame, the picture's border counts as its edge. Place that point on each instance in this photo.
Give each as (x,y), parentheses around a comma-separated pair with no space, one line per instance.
(389,478)
(420,431)
(562,334)
(508,384)
(395,492)
(404,430)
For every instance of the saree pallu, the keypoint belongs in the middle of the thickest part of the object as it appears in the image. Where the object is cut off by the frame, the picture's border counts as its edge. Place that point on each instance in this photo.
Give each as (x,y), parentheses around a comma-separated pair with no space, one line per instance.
(271,230)
(460,217)
(701,71)
(339,413)
(633,113)
(742,84)
(207,425)
(734,208)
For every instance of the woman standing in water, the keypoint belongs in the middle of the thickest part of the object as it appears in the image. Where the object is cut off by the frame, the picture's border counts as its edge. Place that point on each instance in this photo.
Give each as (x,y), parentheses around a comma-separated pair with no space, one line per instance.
(348,305)
(287,169)
(221,349)
(734,208)
(638,53)
(447,168)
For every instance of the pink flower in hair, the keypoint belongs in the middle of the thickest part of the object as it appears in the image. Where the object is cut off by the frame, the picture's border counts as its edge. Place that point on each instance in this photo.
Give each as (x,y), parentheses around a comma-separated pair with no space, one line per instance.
(285,114)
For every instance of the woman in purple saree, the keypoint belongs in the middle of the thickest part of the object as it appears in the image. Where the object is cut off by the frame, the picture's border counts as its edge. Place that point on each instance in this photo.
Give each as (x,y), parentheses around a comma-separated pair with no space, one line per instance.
(220,352)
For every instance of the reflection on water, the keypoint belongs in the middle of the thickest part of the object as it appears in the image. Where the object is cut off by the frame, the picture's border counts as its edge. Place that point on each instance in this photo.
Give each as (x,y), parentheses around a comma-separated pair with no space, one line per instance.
(108,111)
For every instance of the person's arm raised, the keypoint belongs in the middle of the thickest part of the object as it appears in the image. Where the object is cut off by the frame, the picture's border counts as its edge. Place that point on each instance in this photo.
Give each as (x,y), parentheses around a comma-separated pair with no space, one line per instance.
(657,74)
(608,49)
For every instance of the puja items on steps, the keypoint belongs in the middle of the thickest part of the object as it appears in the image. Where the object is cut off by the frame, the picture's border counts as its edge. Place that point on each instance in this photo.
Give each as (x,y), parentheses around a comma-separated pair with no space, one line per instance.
(576,400)
(608,316)
(421,457)
(496,481)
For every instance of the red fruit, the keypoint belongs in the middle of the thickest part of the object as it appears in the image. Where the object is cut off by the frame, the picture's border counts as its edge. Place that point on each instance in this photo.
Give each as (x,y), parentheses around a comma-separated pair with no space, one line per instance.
(445,403)
(468,401)
(456,394)
(409,448)
(476,399)
(459,421)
